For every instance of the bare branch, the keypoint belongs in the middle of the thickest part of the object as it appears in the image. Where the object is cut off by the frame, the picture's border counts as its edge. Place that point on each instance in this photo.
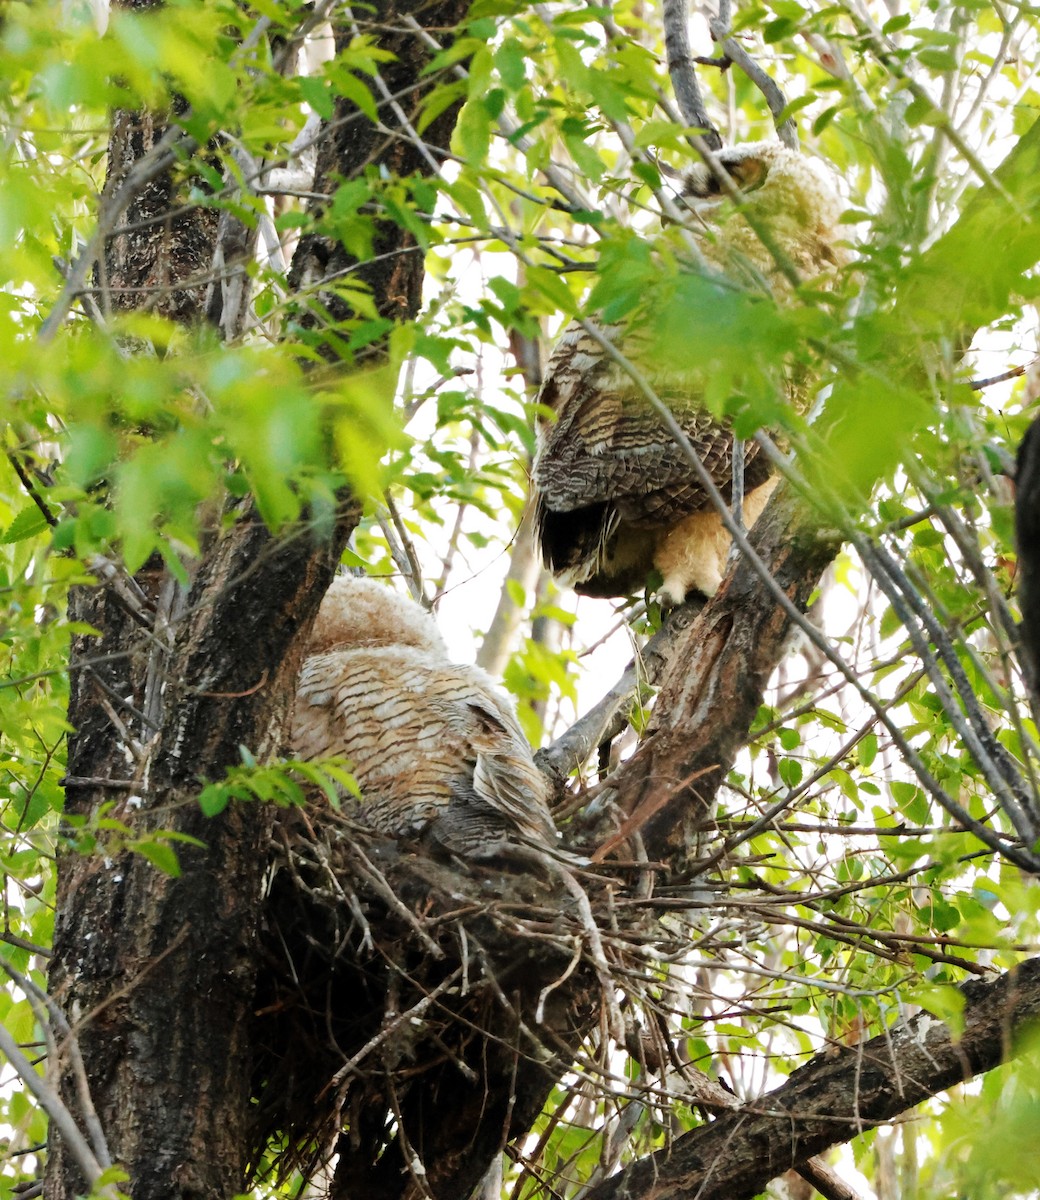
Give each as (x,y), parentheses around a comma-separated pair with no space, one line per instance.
(687,90)
(61,1117)
(837,1095)
(734,52)
(607,718)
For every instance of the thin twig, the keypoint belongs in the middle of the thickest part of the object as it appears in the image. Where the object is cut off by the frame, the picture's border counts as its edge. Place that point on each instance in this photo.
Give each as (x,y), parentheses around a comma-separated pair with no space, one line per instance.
(609,717)
(866,29)
(69,1046)
(60,1116)
(409,1015)
(401,550)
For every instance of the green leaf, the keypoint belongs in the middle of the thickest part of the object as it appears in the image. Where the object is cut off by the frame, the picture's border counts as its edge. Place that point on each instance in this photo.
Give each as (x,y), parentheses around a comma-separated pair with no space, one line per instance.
(473,132)
(318,94)
(160,855)
(351,88)
(28,523)
(790,771)
(943,1001)
(937,60)
(511,62)
(866,750)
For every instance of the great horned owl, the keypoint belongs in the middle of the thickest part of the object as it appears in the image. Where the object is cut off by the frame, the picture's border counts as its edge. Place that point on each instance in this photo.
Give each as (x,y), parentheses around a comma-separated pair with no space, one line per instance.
(614,494)
(436,750)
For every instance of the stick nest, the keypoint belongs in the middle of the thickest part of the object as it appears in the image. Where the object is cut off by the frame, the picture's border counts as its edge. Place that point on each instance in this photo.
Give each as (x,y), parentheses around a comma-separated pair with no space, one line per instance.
(386,976)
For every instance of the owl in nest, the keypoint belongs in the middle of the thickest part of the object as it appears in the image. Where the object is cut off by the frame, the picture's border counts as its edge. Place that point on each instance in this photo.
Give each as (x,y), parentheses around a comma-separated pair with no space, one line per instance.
(436,750)
(615,496)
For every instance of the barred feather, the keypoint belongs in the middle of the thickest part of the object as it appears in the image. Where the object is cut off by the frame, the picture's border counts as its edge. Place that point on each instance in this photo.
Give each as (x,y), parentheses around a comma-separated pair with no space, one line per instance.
(611,485)
(435,748)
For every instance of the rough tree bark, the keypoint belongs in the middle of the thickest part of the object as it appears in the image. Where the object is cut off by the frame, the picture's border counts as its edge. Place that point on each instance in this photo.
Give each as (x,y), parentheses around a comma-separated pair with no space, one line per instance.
(716,681)
(1027,537)
(837,1095)
(158,974)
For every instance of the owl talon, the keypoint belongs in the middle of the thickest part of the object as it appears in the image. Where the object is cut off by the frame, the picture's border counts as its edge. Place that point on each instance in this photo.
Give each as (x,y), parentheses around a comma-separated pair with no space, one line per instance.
(671,594)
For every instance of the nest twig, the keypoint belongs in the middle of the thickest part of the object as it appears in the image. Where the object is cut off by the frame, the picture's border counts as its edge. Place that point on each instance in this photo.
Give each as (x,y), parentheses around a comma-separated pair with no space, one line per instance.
(389,975)
(377,964)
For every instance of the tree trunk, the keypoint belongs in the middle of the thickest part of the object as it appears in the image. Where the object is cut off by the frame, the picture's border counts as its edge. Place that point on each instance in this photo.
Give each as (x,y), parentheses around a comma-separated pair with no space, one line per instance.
(157,974)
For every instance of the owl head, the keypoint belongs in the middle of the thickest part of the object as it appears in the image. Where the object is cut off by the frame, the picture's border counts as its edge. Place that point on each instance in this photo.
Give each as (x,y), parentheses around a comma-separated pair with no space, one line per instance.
(780,186)
(361,612)
(748,165)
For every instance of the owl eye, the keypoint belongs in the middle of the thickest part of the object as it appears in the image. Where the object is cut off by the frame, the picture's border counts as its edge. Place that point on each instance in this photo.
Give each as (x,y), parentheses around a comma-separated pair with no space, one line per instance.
(702,183)
(749,174)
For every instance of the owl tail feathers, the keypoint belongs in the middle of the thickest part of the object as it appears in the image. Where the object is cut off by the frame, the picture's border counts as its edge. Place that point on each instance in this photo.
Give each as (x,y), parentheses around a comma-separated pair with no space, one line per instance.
(588,550)
(573,543)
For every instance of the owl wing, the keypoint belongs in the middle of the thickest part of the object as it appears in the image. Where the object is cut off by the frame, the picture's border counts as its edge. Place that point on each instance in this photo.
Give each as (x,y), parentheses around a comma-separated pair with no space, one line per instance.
(607,446)
(371,706)
(433,749)
(502,780)
(504,772)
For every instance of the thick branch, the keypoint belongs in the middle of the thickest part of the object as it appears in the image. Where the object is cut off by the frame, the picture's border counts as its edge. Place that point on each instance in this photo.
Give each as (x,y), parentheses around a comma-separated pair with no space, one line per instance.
(394,269)
(687,90)
(716,680)
(161,968)
(1027,536)
(837,1095)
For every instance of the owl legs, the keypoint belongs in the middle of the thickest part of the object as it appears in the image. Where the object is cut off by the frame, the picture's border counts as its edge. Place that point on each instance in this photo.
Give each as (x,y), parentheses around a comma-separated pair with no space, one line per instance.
(691,556)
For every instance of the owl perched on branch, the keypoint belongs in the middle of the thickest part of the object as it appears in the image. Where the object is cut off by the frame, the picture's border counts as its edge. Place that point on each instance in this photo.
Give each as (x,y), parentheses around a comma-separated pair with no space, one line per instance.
(436,750)
(615,495)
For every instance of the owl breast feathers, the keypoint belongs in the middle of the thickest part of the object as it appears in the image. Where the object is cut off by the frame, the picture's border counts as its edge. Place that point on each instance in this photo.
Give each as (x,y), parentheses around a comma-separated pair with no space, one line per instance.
(435,749)
(615,496)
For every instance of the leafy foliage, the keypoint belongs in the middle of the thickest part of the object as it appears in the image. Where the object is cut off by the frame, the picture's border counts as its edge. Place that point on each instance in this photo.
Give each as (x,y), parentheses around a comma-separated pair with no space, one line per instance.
(842,886)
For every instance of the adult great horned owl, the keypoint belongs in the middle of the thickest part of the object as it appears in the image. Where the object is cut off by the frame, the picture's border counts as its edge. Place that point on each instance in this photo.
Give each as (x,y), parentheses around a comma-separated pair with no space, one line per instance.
(615,495)
(435,749)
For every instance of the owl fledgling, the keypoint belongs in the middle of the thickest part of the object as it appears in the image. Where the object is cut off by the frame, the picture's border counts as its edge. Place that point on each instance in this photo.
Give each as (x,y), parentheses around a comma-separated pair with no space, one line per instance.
(435,748)
(615,496)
